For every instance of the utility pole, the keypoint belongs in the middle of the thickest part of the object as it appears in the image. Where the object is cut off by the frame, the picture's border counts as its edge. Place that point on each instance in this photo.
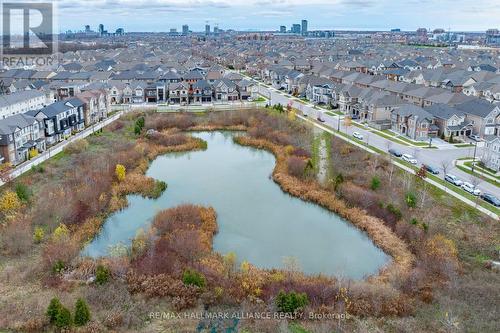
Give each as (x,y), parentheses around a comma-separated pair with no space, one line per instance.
(474,158)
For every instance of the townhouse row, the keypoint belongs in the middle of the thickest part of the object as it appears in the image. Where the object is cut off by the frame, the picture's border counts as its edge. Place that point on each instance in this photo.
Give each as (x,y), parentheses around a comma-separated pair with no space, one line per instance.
(28,132)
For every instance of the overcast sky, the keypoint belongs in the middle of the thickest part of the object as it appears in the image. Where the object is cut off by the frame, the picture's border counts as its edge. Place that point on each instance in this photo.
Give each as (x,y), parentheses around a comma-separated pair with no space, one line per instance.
(161,15)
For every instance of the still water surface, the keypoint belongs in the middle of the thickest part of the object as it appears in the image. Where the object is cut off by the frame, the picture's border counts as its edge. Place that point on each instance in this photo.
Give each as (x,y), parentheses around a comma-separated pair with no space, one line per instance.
(257,221)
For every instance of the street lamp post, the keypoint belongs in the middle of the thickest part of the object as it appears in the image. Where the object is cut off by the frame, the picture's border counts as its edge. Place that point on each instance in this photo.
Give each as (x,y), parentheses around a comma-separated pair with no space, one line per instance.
(338,124)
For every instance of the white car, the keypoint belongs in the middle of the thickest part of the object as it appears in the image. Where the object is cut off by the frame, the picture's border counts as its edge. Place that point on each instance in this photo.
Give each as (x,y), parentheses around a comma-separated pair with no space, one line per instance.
(250,99)
(453,179)
(357,135)
(468,187)
(409,158)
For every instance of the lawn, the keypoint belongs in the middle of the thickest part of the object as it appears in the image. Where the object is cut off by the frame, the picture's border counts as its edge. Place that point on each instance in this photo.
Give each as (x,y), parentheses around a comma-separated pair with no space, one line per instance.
(334,113)
(482,169)
(486,179)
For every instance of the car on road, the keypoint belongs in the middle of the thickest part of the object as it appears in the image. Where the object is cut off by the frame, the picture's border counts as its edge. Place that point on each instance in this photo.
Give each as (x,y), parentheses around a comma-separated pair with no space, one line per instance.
(468,187)
(431,169)
(357,135)
(354,117)
(409,158)
(395,152)
(475,137)
(453,179)
(250,99)
(490,198)
(320,118)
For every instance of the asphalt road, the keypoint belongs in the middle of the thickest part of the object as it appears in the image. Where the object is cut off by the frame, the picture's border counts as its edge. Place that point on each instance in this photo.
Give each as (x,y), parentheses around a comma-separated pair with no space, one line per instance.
(433,157)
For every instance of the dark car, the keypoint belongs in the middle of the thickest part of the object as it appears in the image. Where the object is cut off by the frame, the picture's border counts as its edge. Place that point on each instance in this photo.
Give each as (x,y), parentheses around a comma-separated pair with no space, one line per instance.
(395,152)
(491,199)
(431,169)
(354,116)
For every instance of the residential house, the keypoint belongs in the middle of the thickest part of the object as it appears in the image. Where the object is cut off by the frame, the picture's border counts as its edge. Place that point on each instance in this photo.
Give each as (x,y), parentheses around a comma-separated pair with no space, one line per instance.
(491,156)
(226,91)
(138,89)
(95,107)
(201,92)
(21,102)
(20,134)
(451,121)
(61,119)
(116,91)
(247,89)
(379,107)
(414,122)
(178,93)
(484,116)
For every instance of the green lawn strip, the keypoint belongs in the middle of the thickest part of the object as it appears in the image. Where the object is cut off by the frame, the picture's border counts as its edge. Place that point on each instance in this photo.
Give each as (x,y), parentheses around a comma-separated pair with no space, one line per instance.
(411,142)
(361,126)
(390,133)
(454,188)
(334,113)
(469,171)
(463,193)
(391,138)
(463,145)
(315,152)
(260,99)
(482,169)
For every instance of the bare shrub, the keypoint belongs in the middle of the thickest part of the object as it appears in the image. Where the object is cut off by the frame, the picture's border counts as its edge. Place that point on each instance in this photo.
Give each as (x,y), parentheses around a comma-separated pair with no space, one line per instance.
(296,166)
(76,146)
(16,236)
(168,140)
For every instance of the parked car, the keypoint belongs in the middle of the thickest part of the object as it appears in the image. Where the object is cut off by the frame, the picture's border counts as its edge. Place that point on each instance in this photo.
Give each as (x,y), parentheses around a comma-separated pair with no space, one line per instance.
(453,179)
(320,118)
(431,169)
(250,99)
(468,187)
(395,152)
(409,158)
(354,117)
(475,137)
(357,135)
(490,198)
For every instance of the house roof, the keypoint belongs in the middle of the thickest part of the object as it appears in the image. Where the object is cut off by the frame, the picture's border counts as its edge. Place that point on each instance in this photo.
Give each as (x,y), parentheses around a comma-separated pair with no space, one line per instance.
(477,107)
(10,124)
(56,108)
(410,110)
(20,96)
(443,111)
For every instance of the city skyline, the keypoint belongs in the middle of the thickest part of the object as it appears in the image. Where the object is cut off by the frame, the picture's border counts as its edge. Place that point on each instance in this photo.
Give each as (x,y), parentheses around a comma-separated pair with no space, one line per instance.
(362,15)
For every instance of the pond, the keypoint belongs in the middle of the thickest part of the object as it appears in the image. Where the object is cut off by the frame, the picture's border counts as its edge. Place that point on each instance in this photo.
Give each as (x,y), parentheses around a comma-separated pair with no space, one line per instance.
(257,221)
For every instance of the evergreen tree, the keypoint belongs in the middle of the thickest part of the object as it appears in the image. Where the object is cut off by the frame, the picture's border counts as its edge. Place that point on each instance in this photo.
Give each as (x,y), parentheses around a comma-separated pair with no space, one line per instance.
(53,309)
(63,318)
(82,312)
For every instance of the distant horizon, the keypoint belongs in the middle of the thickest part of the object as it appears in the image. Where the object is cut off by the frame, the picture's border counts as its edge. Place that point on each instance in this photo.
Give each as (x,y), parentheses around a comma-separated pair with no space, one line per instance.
(255,30)
(267,15)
